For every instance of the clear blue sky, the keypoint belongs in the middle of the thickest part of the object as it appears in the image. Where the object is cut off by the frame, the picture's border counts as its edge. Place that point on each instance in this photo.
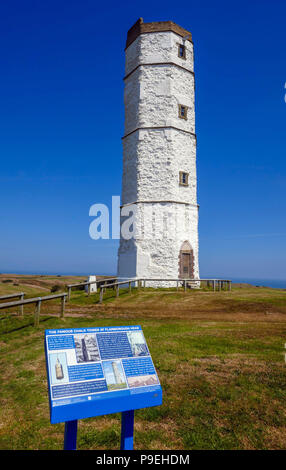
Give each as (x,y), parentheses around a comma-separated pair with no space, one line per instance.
(61,122)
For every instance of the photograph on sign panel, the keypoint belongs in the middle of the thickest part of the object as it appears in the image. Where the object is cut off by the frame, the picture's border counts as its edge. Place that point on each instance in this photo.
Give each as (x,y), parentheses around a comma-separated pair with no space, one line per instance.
(86,348)
(114,375)
(58,368)
(142,380)
(137,343)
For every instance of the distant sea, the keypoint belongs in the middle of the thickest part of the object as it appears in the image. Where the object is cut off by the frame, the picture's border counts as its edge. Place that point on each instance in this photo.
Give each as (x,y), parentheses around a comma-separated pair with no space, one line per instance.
(276,283)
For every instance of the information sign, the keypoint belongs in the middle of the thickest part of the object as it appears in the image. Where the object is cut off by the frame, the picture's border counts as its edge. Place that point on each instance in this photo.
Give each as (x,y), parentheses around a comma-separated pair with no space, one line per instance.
(97,371)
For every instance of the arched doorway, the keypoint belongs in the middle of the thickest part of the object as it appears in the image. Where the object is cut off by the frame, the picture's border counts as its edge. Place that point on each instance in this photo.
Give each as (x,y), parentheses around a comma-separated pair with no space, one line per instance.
(186,261)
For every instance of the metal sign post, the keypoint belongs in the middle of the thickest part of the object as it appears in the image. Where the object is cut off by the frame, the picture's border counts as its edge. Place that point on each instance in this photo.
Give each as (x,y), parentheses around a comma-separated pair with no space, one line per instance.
(127,430)
(70,435)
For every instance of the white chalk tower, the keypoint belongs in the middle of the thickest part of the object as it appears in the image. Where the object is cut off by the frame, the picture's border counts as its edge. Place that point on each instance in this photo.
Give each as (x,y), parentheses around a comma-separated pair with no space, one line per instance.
(159,184)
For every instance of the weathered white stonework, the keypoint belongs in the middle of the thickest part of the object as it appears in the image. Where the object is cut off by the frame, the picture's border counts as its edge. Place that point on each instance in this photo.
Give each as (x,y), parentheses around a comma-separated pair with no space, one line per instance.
(157,146)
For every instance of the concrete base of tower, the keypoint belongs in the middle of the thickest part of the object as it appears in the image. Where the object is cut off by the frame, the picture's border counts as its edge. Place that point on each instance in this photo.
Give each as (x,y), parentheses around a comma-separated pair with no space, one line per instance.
(164,283)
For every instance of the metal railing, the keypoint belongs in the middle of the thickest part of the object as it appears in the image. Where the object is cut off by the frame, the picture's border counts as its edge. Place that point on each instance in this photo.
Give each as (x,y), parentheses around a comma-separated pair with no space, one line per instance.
(38,301)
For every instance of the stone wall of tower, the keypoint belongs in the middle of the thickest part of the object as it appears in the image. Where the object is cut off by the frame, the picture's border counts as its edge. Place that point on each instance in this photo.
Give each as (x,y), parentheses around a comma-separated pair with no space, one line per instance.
(157,145)
(159,257)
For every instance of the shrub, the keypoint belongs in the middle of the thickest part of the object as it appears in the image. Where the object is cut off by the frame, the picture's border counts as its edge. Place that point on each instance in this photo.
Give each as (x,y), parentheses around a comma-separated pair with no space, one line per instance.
(56,288)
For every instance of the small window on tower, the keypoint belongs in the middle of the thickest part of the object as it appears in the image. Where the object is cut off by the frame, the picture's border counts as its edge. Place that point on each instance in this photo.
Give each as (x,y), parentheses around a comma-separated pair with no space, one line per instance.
(184,178)
(182,51)
(183,110)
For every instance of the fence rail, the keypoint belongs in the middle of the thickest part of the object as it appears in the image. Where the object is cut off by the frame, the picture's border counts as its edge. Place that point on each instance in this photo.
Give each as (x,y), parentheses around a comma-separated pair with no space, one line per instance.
(21,295)
(88,283)
(38,301)
(12,296)
(115,285)
(217,284)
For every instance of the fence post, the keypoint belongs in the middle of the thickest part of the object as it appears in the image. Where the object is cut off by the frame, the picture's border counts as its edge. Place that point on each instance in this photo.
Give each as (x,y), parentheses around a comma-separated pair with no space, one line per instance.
(229,285)
(69,293)
(117,290)
(185,285)
(37,312)
(177,286)
(130,286)
(63,306)
(22,306)
(214,284)
(88,290)
(101,295)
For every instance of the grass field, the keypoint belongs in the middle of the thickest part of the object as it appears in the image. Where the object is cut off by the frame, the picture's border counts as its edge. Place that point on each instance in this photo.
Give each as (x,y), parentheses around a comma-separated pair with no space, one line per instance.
(219,357)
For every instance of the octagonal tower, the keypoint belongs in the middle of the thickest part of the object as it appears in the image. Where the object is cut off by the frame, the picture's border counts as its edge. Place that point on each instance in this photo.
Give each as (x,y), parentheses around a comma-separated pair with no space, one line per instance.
(159,184)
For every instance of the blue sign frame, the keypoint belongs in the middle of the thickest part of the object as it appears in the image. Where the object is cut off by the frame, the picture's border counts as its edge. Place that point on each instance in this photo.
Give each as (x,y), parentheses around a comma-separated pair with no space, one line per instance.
(98,371)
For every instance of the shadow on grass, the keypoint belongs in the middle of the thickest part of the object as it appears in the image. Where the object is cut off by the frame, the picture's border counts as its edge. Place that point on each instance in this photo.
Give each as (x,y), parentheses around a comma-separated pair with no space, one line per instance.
(7,327)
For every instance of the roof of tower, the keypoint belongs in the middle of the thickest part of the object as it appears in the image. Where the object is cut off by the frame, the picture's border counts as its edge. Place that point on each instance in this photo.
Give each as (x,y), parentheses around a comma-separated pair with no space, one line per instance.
(157,26)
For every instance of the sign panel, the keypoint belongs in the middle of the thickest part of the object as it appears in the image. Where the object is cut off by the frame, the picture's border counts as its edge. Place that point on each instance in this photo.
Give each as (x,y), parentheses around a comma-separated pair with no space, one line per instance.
(97,371)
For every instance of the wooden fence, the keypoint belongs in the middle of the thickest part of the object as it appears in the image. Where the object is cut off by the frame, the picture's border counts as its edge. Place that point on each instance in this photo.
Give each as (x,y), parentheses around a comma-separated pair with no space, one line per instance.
(38,301)
(217,284)
(88,283)
(115,285)
(21,295)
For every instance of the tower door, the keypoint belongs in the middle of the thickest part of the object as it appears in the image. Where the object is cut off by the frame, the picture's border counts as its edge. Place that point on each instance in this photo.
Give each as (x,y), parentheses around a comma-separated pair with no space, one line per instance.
(186,265)
(186,262)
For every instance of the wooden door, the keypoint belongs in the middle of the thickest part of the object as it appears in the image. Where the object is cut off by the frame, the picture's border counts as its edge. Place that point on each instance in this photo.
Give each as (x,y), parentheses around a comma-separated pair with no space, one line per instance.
(186,265)
(186,261)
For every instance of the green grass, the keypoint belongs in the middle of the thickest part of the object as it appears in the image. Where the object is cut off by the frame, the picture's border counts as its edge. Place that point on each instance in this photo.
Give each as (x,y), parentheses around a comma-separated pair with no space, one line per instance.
(220,363)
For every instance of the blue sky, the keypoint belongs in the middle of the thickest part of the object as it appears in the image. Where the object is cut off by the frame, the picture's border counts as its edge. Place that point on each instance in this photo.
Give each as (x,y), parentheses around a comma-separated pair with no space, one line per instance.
(61,123)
